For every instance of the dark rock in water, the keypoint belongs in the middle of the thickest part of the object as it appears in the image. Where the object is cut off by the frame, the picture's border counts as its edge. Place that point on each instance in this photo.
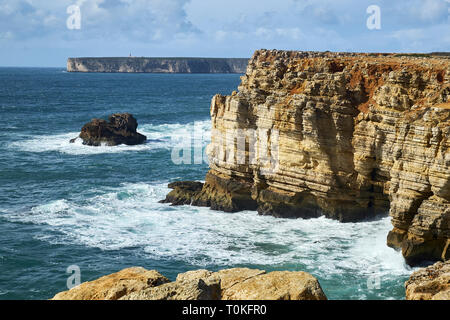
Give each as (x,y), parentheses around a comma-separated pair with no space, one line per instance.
(184,192)
(121,129)
(217,193)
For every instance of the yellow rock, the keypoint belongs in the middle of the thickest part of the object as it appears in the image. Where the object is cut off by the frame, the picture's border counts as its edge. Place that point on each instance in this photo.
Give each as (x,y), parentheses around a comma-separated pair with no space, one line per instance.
(114,286)
(227,284)
(277,285)
(351,135)
(431,283)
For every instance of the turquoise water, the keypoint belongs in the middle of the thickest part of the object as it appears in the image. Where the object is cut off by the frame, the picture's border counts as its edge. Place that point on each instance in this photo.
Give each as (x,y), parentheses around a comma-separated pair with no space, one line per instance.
(65,204)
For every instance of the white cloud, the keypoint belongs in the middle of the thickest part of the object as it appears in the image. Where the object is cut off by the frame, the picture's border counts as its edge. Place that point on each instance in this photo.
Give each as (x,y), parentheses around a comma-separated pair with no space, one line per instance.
(420,40)
(6,35)
(430,10)
(220,28)
(407,35)
(270,34)
(140,19)
(6,8)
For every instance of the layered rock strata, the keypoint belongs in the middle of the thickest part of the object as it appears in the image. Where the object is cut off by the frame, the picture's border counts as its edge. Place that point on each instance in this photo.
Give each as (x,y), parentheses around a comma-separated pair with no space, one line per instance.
(228,284)
(431,283)
(114,286)
(343,135)
(157,65)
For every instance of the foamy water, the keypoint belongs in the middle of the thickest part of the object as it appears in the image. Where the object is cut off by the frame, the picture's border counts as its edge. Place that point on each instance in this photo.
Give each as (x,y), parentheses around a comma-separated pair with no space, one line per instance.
(59,206)
(130,216)
(163,136)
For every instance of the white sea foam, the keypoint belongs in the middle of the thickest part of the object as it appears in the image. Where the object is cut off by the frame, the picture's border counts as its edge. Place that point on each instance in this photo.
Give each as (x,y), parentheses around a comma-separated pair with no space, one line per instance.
(163,136)
(130,216)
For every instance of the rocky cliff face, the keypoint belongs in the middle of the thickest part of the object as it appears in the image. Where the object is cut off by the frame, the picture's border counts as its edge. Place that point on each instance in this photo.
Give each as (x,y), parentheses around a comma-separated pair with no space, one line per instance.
(158,65)
(343,135)
(431,283)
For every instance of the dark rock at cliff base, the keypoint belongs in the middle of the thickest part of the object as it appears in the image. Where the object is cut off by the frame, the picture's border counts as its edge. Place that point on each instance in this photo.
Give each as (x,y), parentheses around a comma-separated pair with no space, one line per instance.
(121,129)
(345,135)
(217,193)
(184,192)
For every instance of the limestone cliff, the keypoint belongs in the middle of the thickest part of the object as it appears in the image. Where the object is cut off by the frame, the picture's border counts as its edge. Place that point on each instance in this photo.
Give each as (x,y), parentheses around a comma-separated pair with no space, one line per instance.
(157,65)
(431,283)
(353,135)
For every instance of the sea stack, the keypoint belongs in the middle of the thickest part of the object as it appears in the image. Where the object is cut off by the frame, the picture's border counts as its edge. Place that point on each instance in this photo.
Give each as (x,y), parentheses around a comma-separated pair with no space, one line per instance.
(121,129)
(353,135)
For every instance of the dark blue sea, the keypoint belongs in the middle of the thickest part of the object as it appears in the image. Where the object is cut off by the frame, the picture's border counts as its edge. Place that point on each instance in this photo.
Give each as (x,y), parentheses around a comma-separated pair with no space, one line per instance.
(97,208)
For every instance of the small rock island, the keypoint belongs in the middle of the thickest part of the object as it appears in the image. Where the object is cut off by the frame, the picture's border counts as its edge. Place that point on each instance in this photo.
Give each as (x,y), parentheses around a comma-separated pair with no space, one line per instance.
(120,129)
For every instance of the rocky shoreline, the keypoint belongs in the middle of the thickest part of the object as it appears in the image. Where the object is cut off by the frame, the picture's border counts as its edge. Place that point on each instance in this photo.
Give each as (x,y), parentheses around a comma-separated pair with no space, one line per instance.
(138,283)
(431,283)
(353,136)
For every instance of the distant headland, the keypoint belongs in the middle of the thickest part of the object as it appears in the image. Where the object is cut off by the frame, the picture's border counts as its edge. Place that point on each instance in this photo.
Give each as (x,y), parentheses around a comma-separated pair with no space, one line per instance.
(158,65)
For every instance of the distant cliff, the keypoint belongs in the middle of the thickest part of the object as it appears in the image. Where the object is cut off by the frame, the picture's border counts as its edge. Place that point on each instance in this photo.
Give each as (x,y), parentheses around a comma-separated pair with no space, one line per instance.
(158,65)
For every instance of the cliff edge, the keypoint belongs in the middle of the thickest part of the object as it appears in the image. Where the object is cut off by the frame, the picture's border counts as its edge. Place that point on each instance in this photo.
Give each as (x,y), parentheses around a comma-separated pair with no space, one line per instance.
(157,65)
(431,283)
(344,135)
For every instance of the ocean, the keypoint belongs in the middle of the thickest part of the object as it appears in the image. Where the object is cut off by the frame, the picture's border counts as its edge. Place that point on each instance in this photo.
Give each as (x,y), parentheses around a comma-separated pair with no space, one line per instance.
(97,208)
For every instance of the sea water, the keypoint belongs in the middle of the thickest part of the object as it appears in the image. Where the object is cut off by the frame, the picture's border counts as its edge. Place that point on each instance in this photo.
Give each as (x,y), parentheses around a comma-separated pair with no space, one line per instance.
(97,208)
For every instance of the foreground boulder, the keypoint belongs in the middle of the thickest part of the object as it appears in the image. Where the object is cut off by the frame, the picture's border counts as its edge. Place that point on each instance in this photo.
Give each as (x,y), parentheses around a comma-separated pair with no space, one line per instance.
(227,284)
(121,129)
(114,286)
(196,288)
(431,283)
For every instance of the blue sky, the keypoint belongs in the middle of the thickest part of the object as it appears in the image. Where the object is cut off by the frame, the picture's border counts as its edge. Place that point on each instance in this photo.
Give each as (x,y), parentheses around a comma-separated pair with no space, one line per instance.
(35,32)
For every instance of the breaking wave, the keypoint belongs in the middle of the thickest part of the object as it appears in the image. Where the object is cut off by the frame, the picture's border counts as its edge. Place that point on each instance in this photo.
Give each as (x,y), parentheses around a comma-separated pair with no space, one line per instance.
(162,136)
(130,216)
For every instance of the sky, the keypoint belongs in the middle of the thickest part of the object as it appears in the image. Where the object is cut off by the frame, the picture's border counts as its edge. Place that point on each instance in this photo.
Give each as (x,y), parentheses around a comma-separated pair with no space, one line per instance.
(44,33)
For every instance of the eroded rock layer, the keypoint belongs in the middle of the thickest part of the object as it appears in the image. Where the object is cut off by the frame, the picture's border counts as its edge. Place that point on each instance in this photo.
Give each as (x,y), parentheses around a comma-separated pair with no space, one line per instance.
(227,284)
(431,283)
(347,136)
